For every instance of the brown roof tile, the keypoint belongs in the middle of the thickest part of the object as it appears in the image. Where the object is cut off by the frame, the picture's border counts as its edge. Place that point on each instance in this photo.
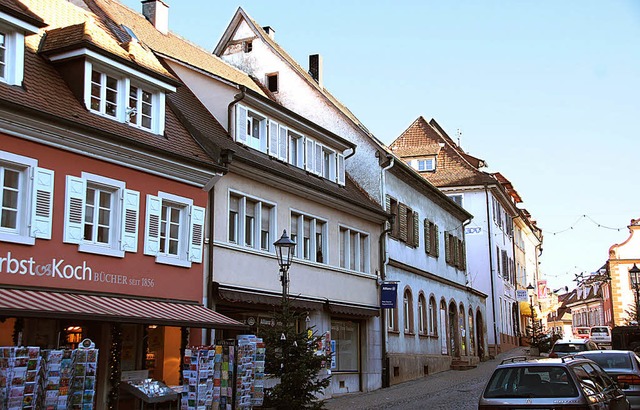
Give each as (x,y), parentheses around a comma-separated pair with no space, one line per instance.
(18,10)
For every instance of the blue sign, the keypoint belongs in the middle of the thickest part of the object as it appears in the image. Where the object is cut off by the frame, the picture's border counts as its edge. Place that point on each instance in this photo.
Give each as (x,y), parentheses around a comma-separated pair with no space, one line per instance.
(388,295)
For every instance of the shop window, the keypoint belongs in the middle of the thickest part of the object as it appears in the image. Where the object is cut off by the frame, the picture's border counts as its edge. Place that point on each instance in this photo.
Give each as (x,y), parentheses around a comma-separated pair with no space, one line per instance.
(174,230)
(101,215)
(310,234)
(354,250)
(251,222)
(346,353)
(73,336)
(26,199)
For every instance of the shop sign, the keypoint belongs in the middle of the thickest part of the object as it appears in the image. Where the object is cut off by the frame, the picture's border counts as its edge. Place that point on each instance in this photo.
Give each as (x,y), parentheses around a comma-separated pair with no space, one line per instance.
(473,230)
(521,295)
(61,269)
(388,295)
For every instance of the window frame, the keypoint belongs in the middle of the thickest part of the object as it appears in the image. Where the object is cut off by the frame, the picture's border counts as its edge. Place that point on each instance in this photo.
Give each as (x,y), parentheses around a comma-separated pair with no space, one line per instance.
(299,233)
(256,232)
(407,305)
(14,31)
(422,315)
(362,252)
(423,162)
(268,82)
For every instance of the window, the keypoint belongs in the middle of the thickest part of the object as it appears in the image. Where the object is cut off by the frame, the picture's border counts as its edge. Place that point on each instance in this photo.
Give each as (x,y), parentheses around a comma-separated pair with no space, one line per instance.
(272,82)
(392,208)
(406,222)
(247,46)
(12,49)
(428,164)
(174,230)
(3,55)
(101,215)
(456,198)
(392,319)
(26,199)
(422,315)
(119,97)
(431,239)
(354,250)
(472,337)
(310,234)
(345,335)
(250,222)
(432,317)
(407,303)
(455,254)
(296,150)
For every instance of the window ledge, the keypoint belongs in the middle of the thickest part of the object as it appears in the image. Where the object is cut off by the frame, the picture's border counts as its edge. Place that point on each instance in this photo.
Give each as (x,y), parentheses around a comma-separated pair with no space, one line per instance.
(166,260)
(393,332)
(17,238)
(100,250)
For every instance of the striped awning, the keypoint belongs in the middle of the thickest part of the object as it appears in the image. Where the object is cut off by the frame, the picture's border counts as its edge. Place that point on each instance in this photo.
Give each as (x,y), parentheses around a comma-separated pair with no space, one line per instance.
(67,305)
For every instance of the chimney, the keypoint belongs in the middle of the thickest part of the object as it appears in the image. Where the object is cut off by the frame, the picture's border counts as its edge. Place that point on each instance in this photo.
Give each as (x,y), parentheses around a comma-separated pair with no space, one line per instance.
(270,32)
(157,12)
(315,68)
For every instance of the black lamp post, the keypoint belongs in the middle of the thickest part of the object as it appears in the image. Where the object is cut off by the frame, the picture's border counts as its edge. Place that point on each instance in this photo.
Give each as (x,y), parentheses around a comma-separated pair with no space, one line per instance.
(635,282)
(284,252)
(530,289)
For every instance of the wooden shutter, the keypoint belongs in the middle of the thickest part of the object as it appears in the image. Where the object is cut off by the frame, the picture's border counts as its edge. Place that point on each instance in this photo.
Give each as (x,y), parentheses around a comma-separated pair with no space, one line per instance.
(152,224)
(196,234)
(341,171)
(309,155)
(416,229)
(319,158)
(447,247)
(74,204)
(402,211)
(42,203)
(274,133)
(427,236)
(437,240)
(464,255)
(241,124)
(130,220)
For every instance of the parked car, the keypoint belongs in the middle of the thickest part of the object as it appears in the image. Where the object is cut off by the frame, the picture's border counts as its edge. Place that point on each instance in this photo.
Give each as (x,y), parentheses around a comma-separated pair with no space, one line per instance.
(626,338)
(581,332)
(566,347)
(601,335)
(567,383)
(624,367)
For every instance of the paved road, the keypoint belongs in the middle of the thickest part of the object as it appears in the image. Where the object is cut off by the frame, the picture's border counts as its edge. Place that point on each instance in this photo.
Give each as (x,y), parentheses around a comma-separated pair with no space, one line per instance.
(450,390)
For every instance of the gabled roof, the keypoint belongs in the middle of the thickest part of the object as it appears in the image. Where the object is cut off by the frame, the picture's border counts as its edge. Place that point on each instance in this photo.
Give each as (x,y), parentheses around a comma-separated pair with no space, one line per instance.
(16,9)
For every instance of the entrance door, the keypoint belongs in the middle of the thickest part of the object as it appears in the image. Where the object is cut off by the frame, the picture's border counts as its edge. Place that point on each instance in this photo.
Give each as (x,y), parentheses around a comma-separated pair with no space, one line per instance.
(454,333)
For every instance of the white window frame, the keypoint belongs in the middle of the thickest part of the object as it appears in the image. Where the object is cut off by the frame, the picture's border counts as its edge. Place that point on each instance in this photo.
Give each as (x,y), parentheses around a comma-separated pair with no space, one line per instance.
(124,221)
(14,30)
(362,253)
(192,226)
(124,112)
(256,231)
(135,115)
(426,164)
(295,143)
(35,200)
(313,231)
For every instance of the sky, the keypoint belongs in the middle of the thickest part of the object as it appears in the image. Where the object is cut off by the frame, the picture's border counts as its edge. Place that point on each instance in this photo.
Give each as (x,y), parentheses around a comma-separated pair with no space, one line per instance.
(546,92)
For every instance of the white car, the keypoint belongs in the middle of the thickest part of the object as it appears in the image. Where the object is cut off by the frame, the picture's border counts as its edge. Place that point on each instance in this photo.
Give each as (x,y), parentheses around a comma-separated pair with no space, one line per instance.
(601,335)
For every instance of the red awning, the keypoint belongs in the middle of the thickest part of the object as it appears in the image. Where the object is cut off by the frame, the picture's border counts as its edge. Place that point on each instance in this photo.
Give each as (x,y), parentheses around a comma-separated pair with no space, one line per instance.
(65,305)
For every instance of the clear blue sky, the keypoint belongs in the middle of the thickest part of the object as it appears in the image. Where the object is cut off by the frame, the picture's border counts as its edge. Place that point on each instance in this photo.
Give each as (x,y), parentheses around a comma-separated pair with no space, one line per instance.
(547,92)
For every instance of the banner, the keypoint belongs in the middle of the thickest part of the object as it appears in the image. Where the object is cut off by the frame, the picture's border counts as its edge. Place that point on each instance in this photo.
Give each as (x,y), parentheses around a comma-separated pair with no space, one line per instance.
(542,289)
(388,295)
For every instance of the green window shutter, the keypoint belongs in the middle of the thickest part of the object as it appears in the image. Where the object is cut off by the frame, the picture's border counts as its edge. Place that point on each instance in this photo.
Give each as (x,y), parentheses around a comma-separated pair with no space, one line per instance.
(427,237)
(437,240)
(416,229)
(402,210)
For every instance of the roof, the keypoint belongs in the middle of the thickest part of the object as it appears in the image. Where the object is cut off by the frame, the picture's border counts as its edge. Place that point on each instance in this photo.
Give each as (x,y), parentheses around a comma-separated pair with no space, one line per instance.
(18,10)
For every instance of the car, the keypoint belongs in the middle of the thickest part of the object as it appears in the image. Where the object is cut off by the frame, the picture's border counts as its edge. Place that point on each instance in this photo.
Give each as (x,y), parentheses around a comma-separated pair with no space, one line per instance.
(601,335)
(623,366)
(564,347)
(581,332)
(562,383)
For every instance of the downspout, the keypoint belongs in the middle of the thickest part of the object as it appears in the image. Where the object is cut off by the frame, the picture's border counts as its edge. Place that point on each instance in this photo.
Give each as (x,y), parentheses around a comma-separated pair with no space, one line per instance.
(236,99)
(384,260)
(493,295)
(515,279)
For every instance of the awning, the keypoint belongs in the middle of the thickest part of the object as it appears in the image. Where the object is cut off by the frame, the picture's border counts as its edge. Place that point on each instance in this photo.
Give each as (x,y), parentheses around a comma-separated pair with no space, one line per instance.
(352,310)
(251,297)
(525,309)
(66,305)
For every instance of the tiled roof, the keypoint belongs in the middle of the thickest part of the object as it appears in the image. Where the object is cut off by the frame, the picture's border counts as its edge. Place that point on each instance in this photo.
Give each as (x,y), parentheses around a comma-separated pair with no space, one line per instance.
(170,44)
(18,10)
(46,94)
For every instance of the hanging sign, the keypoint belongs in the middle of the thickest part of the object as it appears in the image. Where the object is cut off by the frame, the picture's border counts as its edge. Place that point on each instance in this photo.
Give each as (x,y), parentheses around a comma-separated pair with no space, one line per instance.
(521,295)
(388,295)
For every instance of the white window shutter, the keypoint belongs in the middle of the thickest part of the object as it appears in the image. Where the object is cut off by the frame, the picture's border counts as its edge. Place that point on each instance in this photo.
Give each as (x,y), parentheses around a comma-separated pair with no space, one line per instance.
(273,138)
(74,204)
(319,160)
(42,203)
(196,234)
(341,171)
(241,124)
(152,233)
(130,223)
(283,144)
(309,155)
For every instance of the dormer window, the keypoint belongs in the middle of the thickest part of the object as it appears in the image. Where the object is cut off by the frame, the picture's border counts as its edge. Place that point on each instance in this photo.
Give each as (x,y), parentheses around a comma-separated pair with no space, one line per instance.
(140,109)
(12,33)
(423,164)
(104,94)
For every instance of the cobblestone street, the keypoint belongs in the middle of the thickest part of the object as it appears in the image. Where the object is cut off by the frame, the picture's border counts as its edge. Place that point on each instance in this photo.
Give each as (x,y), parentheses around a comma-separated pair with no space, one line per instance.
(452,389)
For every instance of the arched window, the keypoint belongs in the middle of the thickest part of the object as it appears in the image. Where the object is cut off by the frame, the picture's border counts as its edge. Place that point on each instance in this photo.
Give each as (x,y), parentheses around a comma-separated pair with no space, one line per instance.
(463,333)
(422,315)
(408,311)
(432,317)
(472,336)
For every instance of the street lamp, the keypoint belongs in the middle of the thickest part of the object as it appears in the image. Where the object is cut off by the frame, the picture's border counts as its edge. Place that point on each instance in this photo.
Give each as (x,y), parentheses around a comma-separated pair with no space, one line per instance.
(284,252)
(530,289)
(635,282)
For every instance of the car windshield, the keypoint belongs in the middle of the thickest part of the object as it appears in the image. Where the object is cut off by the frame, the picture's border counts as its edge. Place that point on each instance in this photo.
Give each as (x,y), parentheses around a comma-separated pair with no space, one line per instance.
(611,360)
(569,347)
(531,382)
(583,331)
(600,331)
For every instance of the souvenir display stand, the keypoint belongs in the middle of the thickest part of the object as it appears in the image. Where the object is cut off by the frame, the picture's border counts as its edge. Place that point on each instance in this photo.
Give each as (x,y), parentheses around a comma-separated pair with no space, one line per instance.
(149,391)
(229,375)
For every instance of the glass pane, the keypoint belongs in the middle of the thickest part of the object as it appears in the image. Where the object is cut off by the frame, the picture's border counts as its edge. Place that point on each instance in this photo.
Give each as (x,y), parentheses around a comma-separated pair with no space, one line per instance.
(90,196)
(95,76)
(174,231)
(105,199)
(146,109)
(110,109)
(146,96)
(11,179)
(173,247)
(88,232)
(103,216)
(10,199)
(9,219)
(103,234)
(112,83)
(95,104)
(133,93)
(175,215)
(112,96)
(146,122)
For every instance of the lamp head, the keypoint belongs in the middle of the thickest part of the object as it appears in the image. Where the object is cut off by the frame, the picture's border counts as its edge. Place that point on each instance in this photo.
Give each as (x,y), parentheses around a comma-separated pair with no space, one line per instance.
(284,250)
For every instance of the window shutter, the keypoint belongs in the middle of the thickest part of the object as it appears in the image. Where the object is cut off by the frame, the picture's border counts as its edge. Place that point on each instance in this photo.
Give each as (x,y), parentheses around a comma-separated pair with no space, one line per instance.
(464,255)
(416,229)
(196,234)
(241,124)
(152,223)
(447,250)
(76,191)
(427,236)
(437,240)
(42,203)
(273,138)
(309,155)
(319,160)
(341,171)
(402,210)
(283,143)
(130,223)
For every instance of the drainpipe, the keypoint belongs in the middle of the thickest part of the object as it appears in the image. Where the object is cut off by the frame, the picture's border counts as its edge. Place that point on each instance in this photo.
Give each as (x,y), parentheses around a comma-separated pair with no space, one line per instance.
(493,294)
(384,260)
(237,98)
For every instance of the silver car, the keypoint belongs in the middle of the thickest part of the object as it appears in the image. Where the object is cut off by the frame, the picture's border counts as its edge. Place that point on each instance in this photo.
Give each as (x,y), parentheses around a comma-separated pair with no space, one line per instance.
(564,383)
(624,367)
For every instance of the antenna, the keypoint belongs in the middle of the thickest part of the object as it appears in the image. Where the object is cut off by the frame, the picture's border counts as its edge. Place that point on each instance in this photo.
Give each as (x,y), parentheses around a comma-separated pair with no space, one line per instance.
(459,135)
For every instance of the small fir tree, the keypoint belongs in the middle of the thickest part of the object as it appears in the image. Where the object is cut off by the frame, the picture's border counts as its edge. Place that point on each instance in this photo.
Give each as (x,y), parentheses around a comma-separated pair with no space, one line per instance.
(537,336)
(293,357)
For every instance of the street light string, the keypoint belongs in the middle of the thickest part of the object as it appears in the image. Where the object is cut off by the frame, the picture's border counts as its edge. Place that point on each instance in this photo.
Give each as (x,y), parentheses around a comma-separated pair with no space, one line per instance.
(587,217)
